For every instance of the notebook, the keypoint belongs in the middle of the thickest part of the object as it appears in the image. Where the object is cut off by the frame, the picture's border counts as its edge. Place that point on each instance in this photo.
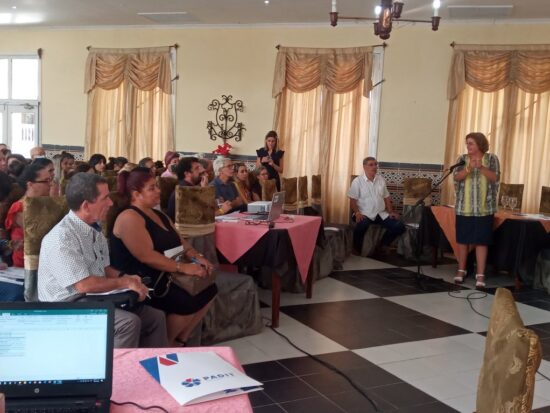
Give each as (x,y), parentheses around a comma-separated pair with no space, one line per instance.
(56,356)
(275,212)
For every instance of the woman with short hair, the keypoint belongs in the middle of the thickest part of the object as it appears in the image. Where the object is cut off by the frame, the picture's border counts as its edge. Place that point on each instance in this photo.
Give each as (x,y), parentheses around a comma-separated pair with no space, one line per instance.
(476,184)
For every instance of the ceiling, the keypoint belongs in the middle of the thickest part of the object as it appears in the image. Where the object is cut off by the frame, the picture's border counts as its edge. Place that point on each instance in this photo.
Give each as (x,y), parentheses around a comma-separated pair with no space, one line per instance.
(96,13)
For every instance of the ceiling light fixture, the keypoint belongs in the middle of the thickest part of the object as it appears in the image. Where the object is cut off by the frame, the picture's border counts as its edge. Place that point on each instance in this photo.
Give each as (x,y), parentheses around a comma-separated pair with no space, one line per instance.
(386,13)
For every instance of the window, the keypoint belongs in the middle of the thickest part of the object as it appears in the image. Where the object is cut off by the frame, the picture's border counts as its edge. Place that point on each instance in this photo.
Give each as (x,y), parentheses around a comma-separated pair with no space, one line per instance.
(19,102)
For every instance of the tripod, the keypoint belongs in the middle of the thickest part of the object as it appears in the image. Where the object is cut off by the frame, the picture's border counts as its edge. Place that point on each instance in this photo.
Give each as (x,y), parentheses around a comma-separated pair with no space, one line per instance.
(420,277)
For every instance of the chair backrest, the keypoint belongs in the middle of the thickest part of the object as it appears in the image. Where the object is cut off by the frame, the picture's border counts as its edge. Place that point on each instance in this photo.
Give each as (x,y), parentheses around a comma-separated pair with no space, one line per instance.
(111,181)
(41,215)
(302,192)
(416,188)
(195,210)
(269,187)
(120,202)
(166,186)
(316,189)
(109,173)
(290,188)
(513,191)
(512,356)
(545,200)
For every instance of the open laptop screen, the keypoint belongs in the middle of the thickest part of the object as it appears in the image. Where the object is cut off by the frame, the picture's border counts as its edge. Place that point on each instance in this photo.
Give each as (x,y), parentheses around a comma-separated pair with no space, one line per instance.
(54,345)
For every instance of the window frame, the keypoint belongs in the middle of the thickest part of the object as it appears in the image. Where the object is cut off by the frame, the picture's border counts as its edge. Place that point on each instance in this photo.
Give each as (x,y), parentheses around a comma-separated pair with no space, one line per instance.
(9,105)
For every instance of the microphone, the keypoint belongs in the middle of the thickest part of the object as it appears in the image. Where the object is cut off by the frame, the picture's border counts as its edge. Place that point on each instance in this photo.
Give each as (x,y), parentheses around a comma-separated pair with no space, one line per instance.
(456,165)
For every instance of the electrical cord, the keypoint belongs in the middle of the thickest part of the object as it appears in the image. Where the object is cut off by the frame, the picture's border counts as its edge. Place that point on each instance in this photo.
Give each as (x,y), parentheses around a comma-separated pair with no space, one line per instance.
(162,409)
(328,366)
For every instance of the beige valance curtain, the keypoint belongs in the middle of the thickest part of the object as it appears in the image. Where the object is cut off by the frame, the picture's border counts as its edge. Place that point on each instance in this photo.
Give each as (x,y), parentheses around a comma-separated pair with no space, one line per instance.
(493,67)
(503,91)
(322,117)
(339,70)
(129,102)
(144,69)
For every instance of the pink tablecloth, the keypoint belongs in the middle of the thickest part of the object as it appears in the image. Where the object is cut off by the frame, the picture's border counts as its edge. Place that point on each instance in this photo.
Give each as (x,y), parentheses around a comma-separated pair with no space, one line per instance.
(233,239)
(132,383)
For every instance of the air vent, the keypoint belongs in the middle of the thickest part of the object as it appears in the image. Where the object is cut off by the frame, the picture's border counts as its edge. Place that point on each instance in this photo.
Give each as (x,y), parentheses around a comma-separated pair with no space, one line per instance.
(176,17)
(480,12)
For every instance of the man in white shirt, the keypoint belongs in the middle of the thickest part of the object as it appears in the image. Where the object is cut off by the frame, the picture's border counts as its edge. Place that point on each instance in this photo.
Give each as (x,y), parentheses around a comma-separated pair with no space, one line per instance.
(74,260)
(370,202)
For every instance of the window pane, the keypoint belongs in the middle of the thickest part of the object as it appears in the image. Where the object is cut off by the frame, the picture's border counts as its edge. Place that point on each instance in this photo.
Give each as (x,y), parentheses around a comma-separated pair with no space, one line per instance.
(23,132)
(4,79)
(24,79)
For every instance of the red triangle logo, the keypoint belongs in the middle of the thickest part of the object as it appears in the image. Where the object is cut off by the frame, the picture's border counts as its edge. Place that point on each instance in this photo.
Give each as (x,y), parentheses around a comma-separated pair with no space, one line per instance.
(167,362)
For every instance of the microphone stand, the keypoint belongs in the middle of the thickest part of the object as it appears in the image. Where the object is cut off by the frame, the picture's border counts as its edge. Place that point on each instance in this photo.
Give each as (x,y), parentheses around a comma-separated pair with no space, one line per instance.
(418,243)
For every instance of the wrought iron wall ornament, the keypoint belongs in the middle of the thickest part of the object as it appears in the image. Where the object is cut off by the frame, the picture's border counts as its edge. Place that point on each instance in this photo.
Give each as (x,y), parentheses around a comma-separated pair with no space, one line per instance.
(227,125)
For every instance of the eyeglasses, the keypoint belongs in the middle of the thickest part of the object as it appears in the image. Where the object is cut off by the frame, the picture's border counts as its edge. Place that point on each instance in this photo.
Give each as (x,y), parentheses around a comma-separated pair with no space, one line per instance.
(44,181)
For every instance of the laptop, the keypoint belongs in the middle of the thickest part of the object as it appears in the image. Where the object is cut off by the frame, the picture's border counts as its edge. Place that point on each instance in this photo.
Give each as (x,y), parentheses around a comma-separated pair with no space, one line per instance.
(275,212)
(56,357)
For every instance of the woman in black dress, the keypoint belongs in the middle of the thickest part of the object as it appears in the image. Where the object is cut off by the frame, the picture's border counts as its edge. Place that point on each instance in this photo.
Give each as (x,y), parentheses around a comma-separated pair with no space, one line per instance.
(141,235)
(271,157)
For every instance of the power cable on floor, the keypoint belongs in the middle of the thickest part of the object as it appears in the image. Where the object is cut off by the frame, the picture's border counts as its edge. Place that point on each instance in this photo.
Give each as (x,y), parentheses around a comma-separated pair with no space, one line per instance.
(328,366)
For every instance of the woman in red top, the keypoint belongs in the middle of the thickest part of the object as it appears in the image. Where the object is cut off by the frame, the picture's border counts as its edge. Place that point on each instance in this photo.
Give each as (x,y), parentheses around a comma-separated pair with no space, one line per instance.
(36,179)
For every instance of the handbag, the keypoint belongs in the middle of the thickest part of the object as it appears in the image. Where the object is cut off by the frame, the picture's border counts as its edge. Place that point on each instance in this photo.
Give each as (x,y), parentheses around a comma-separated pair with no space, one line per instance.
(193,284)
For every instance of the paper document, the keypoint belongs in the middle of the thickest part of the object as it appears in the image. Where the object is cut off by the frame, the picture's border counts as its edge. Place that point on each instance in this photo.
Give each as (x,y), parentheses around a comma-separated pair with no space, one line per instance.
(15,273)
(117,291)
(197,377)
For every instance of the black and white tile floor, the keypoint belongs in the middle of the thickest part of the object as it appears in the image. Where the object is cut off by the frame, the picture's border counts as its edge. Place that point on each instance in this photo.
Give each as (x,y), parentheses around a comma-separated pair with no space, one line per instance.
(411,349)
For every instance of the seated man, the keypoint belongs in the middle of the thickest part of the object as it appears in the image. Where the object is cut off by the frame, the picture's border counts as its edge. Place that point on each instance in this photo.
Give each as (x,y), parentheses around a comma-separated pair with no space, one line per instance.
(225,190)
(74,260)
(370,202)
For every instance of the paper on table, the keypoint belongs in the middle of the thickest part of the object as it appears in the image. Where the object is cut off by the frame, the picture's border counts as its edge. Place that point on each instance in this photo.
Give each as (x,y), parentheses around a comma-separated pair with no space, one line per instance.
(11,281)
(198,376)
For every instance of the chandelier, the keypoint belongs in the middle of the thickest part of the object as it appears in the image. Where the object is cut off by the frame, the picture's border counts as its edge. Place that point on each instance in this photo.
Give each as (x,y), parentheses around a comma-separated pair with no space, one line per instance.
(386,13)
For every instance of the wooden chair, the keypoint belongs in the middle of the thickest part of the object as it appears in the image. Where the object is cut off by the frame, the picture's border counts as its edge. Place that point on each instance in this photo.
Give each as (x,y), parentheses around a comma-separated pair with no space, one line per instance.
(513,191)
(303,196)
(41,215)
(166,186)
(269,187)
(545,200)
(512,356)
(290,188)
(316,193)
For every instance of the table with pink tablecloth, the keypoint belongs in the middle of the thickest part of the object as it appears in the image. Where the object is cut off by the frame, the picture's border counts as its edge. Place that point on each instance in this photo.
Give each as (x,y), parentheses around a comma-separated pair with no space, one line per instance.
(132,383)
(234,239)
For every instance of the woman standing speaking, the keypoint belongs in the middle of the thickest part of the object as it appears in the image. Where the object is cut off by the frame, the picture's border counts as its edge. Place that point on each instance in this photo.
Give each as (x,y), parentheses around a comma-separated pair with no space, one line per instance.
(476,184)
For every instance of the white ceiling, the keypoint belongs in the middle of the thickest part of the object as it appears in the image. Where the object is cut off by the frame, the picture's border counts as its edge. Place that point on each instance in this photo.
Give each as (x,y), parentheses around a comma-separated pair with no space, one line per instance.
(79,13)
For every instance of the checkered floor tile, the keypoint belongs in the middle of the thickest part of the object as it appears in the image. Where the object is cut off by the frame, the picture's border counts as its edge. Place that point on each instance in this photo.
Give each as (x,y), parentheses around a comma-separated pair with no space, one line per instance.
(410,342)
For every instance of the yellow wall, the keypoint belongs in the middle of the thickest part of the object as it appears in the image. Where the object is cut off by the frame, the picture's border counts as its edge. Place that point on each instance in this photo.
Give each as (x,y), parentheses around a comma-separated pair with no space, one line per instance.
(240,61)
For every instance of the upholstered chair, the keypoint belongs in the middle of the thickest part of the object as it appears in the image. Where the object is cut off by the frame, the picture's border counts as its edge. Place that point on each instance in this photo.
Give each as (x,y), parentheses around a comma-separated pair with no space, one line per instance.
(290,188)
(303,196)
(269,187)
(512,356)
(41,215)
(166,186)
(545,200)
(235,311)
(120,202)
(413,190)
(513,191)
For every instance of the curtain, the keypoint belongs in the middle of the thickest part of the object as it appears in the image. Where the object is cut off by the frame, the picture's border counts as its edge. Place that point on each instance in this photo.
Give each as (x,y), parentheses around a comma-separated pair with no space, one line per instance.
(322,117)
(129,103)
(504,92)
